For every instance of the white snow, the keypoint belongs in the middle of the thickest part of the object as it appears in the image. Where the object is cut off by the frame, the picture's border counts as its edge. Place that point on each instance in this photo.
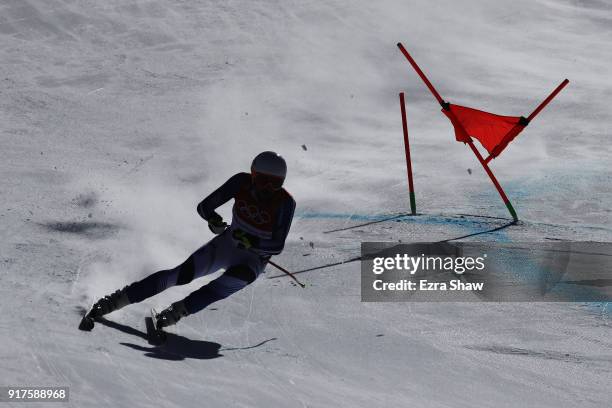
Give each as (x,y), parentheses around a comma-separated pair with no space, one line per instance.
(117,117)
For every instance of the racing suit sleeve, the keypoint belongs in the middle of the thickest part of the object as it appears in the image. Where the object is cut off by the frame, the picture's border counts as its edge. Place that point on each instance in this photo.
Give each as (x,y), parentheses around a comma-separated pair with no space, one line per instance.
(206,208)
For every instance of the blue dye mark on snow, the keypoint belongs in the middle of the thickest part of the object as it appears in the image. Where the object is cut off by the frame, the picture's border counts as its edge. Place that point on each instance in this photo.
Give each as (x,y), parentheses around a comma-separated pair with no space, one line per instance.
(348,217)
(471,225)
(466,224)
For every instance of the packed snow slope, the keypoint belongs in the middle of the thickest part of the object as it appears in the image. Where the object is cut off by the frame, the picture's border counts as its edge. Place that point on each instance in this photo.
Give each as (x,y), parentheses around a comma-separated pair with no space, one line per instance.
(117,117)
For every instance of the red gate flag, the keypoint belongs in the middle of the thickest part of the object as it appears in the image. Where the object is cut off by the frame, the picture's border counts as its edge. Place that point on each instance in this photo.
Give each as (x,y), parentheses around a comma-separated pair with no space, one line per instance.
(494,132)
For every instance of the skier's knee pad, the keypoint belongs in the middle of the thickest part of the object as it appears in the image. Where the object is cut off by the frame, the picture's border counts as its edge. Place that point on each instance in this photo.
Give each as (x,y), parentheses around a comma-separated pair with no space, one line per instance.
(186,271)
(241,272)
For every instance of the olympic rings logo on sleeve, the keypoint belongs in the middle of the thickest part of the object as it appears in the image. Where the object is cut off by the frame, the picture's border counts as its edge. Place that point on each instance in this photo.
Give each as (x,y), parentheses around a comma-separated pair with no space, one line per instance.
(252,212)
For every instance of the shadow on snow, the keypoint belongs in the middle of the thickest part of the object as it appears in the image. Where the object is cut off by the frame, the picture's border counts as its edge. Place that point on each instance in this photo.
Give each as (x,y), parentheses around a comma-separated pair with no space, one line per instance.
(176,347)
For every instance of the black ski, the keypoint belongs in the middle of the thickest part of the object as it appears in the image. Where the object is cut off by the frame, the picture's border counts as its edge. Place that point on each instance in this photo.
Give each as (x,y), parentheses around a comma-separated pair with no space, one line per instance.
(156,336)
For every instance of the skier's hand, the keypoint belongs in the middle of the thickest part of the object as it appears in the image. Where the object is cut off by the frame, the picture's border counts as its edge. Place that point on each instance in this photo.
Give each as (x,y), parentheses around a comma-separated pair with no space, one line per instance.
(244,239)
(216,224)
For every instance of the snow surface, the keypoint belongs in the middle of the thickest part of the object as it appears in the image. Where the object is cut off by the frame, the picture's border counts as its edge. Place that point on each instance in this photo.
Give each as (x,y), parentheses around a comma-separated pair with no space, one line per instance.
(117,117)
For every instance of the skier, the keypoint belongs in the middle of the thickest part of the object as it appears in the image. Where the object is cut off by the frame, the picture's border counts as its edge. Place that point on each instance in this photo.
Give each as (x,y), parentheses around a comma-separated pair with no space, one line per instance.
(261,217)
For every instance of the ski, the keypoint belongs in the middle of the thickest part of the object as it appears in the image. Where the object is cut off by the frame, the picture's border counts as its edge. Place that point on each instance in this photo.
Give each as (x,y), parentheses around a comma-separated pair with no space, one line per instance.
(87,322)
(155,335)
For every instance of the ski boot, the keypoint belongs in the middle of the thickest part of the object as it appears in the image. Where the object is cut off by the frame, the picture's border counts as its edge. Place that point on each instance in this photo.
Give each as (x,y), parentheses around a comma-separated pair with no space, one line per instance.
(170,315)
(109,303)
(105,305)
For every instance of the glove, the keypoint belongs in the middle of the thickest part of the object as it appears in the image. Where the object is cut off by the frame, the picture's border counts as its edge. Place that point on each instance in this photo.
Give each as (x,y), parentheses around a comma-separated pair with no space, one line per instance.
(245,241)
(216,224)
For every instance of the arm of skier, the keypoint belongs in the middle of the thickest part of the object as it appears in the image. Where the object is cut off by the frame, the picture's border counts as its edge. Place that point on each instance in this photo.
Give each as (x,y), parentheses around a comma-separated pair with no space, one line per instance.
(206,208)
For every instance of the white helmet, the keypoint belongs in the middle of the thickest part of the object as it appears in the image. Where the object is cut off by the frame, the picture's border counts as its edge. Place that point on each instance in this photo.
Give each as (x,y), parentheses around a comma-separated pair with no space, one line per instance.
(269,163)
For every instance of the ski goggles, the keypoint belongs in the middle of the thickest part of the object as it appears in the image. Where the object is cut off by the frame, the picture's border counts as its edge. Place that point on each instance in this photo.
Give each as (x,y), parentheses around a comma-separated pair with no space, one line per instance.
(266,181)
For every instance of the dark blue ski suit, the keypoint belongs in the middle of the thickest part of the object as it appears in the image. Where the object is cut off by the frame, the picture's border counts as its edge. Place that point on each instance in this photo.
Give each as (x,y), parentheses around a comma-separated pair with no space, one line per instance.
(266,224)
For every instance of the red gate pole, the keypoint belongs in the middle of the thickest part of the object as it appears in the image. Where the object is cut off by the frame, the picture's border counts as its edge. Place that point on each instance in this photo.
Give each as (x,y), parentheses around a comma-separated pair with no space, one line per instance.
(407,149)
(494,180)
(548,99)
(421,74)
(524,121)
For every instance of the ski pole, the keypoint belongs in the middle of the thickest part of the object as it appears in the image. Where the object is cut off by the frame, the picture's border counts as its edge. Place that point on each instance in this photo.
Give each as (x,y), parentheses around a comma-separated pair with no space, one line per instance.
(277,266)
(280,268)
